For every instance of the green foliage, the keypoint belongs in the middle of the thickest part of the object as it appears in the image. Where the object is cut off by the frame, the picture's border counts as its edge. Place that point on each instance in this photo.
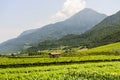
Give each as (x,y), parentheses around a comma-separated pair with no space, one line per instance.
(36,61)
(88,71)
(110,49)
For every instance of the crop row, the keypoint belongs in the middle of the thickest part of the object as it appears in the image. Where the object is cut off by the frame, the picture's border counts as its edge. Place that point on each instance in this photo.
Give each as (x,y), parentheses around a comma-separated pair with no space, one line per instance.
(88,71)
(25,62)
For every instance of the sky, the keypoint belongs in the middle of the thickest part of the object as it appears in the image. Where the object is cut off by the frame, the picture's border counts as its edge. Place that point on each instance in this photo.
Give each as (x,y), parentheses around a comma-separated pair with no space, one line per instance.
(17,16)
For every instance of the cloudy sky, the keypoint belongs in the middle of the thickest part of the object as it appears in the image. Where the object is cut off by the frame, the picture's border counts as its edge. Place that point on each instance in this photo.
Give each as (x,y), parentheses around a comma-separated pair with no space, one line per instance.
(17,16)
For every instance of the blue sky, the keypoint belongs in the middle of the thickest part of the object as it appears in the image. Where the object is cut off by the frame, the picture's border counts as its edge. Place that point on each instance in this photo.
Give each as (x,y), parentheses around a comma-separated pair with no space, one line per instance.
(17,16)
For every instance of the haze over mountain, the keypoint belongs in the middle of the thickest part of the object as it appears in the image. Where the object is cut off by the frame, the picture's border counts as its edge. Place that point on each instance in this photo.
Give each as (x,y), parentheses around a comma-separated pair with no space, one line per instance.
(77,24)
(106,32)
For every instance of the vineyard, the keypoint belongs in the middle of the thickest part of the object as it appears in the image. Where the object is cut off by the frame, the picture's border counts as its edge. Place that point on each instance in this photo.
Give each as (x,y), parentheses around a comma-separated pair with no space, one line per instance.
(26,62)
(82,65)
(60,40)
(88,71)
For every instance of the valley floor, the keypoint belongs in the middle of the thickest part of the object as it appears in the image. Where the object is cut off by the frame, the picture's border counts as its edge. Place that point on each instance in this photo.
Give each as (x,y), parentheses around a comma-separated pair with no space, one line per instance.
(94,67)
(87,71)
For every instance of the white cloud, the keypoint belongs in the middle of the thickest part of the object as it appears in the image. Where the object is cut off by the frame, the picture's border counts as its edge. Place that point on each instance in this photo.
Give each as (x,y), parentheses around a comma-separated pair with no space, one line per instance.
(70,7)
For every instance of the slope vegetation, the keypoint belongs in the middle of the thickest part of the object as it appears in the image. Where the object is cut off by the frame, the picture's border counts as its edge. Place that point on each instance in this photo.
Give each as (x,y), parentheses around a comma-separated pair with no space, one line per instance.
(106,32)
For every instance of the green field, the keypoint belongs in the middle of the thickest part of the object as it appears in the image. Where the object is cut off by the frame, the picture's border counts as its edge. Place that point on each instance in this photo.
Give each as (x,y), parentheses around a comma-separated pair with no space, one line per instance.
(99,67)
(88,71)
(101,63)
(113,49)
(26,62)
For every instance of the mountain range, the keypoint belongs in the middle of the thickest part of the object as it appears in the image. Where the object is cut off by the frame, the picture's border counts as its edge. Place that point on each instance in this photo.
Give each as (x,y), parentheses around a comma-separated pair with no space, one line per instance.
(105,32)
(77,24)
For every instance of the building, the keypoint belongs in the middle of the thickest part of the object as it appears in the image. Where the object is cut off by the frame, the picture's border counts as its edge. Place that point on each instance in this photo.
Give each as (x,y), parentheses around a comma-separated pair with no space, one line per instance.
(54,54)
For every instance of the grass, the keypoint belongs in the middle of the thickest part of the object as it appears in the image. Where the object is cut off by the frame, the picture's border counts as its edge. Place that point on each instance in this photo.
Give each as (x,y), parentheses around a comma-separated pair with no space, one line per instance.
(88,71)
(24,62)
(106,48)
(110,49)
(100,63)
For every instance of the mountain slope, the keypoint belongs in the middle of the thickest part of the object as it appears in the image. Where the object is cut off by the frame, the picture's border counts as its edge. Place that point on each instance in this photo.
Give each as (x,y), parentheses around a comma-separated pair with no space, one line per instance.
(106,32)
(107,48)
(77,24)
(103,33)
(27,32)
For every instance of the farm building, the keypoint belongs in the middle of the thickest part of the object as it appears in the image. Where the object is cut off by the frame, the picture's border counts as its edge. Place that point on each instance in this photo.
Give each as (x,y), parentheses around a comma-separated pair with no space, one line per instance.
(54,54)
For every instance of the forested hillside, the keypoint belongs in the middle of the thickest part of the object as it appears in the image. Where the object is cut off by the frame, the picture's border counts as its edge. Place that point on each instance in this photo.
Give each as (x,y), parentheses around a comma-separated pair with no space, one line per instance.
(106,32)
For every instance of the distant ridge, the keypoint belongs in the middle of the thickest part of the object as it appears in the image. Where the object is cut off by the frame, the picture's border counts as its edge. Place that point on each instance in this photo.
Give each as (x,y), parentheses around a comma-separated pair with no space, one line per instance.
(77,24)
(106,32)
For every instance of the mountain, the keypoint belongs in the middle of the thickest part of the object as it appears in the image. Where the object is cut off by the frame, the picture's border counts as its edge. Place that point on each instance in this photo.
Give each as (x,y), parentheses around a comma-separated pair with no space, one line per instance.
(77,24)
(106,32)
(27,32)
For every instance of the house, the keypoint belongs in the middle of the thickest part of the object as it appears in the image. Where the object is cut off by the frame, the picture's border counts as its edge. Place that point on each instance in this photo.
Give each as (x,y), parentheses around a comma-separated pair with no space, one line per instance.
(54,54)
(83,49)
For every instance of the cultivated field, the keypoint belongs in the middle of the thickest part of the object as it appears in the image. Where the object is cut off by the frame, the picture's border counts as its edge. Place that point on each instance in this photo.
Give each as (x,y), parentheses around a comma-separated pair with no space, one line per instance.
(26,62)
(101,63)
(88,71)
